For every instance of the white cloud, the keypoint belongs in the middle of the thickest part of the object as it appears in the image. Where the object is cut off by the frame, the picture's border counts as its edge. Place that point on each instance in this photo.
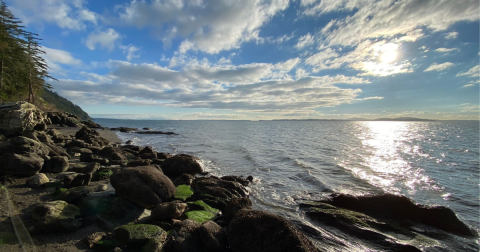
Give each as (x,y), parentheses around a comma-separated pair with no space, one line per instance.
(451,35)
(472,83)
(130,51)
(208,26)
(65,14)
(439,67)
(446,50)
(200,84)
(472,72)
(387,18)
(106,39)
(55,58)
(469,108)
(304,41)
(300,73)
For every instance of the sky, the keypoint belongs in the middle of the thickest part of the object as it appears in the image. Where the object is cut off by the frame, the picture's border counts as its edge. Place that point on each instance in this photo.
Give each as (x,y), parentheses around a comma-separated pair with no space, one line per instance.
(261,59)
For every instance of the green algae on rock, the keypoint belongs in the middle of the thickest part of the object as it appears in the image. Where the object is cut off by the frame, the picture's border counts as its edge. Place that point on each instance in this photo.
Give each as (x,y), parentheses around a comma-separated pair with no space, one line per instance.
(102,174)
(183,192)
(200,216)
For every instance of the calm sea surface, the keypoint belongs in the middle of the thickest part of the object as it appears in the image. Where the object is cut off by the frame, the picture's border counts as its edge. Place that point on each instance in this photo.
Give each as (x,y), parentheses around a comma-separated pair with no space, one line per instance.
(433,163)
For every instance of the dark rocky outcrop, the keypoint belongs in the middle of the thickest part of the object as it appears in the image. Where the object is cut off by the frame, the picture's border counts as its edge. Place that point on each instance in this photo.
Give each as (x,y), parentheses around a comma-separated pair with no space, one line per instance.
(217,192)
(124,129)
(389,206)
(156,133)
(213,236)
(180,164)
(260,231)
(144,185)
(236,205)
(188,238)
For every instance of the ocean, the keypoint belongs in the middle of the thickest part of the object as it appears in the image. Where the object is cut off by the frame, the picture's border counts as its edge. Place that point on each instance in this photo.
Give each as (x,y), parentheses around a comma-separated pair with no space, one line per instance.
(433,163)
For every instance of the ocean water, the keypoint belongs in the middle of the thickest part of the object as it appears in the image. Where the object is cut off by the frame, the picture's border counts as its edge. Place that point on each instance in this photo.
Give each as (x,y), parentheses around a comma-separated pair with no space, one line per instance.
(433,163)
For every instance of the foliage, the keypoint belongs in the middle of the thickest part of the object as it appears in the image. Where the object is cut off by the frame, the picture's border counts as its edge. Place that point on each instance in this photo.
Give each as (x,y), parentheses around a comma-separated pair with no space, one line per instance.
(58,103)
(22,69)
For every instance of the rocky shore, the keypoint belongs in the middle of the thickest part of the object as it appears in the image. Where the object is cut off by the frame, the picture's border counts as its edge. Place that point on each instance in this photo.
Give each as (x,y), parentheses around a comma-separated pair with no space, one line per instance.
(69,185)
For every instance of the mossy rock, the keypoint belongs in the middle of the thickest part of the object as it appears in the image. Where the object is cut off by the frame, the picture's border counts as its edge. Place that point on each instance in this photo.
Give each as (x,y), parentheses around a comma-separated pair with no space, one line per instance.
(52,186)
(200,205)
(183,192)
(200,216)
(139,234)
(106,245)
(343,215)
(102,174)
(8,238)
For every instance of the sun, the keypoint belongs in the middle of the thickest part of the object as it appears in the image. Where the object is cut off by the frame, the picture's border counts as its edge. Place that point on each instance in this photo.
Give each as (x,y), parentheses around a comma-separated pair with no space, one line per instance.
(389,56)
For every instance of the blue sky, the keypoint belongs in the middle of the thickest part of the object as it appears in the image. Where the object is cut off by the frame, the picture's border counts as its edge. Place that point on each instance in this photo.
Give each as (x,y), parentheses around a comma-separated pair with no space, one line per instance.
(254,59)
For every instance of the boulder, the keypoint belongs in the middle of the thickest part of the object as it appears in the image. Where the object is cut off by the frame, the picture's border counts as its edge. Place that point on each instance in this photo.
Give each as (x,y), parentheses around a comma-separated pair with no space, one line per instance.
(144,185)
(184,179)
(163,155)
(56,164)
(395,207)
(188,238)
(55,217)
(102,174)
(141,162)
(22,165)
(92,239)
(91,168)
(18,117)
(236,205)
(168,211)
(37,180)
(64,118)
(112,154)
(147,152)
(73,195)
(81,180)
(217,192)
(23,145)
(260,231)
(140,234)
(214,238)
(180,164)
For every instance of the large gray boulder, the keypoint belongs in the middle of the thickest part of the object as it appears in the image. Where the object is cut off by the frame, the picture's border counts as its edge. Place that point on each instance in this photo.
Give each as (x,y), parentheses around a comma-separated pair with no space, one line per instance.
(260,231)
(18,117)
(144,185)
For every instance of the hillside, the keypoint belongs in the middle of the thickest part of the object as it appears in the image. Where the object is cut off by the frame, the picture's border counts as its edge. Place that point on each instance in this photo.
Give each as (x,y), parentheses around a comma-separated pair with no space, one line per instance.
(51,101)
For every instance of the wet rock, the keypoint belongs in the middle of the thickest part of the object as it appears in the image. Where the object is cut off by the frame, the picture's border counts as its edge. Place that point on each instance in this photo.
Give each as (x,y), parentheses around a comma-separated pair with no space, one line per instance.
(163,155)
(102,174)
(140,162)
(389,206)
(260,231)
(238,179)
(56,165)
(188,237)
(184,179)
(217,192)
(124,129)
(168,211)
(214,238)
(22,165)
(55,217)
(200,212)
(81,180)
(37,180)
(236,205)
(180,164)
(147,153)
(73,195)
(129,142)
(144,185)
(140,234)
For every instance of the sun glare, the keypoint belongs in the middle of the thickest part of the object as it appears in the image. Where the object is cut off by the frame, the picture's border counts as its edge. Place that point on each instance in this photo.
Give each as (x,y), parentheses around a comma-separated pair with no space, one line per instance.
(388,56)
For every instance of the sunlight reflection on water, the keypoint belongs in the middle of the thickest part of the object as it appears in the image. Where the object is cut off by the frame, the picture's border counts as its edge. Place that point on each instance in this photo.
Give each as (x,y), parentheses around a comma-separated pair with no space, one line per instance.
(385,165)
